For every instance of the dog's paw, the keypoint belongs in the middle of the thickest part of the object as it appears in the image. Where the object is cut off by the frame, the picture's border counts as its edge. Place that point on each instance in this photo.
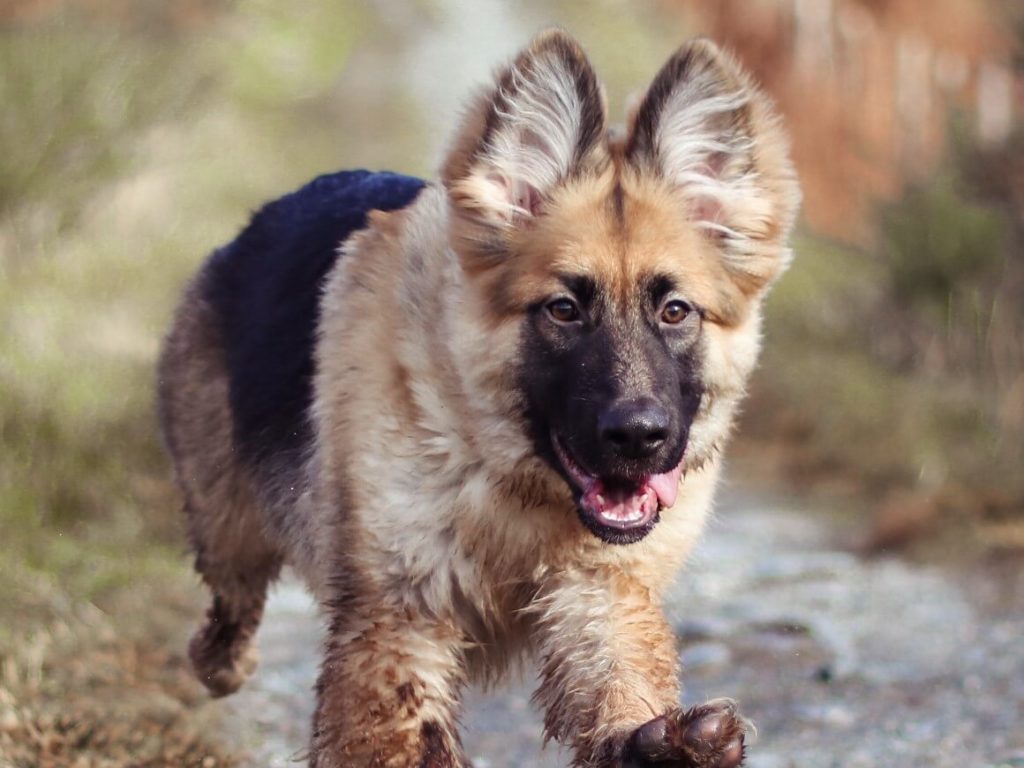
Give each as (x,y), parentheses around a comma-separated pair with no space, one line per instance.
(708,736)
(222,667)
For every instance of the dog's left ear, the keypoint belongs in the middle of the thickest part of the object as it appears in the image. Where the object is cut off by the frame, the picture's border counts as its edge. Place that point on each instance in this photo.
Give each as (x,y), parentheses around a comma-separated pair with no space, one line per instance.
(540,124)
(704,127)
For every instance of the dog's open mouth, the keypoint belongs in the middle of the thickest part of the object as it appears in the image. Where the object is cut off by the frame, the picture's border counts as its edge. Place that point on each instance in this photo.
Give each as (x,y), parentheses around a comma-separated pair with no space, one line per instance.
(620,505)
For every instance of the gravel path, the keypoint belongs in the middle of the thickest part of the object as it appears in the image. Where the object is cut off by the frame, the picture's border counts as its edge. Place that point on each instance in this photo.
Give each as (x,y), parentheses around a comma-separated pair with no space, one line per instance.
(841,662)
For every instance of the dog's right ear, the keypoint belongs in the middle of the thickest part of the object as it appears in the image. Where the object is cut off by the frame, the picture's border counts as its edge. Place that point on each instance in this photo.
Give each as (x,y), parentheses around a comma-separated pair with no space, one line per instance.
(541,123)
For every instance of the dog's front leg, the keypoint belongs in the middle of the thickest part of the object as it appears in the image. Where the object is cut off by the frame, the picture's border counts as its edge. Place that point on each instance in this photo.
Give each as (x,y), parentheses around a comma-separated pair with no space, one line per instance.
(609,680)
(388,691)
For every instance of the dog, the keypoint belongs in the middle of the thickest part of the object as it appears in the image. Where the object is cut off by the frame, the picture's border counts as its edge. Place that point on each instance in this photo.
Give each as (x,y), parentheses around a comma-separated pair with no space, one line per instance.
(483,417)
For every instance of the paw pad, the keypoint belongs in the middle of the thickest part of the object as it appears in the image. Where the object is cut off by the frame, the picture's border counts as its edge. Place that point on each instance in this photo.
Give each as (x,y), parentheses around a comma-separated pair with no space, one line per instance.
(707,736)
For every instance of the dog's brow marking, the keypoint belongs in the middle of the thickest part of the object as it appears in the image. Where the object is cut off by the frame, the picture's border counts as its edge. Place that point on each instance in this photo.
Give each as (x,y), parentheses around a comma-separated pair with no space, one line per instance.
(583,287)
(660,286)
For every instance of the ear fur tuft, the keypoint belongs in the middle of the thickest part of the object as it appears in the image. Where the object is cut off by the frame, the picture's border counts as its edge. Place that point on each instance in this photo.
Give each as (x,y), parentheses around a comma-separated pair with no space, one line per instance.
(540,124)
(705,128)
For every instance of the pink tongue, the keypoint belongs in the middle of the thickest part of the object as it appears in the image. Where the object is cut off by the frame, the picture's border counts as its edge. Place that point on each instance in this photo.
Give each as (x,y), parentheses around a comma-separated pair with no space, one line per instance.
(666,485)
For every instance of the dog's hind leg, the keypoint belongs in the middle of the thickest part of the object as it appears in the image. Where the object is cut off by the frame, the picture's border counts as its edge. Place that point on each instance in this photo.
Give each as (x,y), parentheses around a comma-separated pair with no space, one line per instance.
(238,566)
(225,521)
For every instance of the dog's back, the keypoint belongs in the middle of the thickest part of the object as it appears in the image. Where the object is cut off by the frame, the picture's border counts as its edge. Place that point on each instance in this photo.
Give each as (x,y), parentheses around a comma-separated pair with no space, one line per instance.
(235,387)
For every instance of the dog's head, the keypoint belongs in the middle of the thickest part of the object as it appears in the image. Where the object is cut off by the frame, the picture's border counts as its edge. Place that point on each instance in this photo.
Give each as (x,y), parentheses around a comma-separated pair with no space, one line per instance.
(632,267)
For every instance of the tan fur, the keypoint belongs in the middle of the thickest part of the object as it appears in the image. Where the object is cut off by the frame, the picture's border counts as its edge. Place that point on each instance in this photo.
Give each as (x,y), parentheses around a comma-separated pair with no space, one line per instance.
(440,547)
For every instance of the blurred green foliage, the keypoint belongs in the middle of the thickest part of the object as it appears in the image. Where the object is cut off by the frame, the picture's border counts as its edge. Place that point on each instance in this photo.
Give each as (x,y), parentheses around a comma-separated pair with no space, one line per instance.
(899,367)
(283,56)
(75,96)
(940,246)
(132,156)
(129,148)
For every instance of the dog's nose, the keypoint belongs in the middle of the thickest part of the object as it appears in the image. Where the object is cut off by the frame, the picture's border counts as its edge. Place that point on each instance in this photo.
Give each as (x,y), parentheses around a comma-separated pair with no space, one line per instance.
(634,429)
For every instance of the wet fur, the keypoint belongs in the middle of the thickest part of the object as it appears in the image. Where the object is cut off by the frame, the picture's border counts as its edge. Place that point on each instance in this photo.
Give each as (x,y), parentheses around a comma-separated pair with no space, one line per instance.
(407,474)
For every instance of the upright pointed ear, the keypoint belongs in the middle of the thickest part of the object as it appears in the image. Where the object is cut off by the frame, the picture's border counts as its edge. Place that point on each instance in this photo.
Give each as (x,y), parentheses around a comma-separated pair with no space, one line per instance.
(706,129)
(540,124)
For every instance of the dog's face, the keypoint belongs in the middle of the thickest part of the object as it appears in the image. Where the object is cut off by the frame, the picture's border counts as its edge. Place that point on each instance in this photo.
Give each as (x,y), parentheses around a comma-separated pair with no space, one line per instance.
(611,350)
(632,268)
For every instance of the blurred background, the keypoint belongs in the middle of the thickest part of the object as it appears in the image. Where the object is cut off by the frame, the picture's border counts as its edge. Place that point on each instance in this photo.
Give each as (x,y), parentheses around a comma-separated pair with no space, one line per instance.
(137,135)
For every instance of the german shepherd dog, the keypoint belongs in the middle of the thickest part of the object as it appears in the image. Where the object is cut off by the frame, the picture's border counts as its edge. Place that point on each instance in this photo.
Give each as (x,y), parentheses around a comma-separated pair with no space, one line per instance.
(483,417)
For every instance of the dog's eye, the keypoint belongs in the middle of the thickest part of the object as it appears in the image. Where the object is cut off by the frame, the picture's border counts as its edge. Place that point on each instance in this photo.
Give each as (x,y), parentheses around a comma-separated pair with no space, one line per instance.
(675,312)
(564,310)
